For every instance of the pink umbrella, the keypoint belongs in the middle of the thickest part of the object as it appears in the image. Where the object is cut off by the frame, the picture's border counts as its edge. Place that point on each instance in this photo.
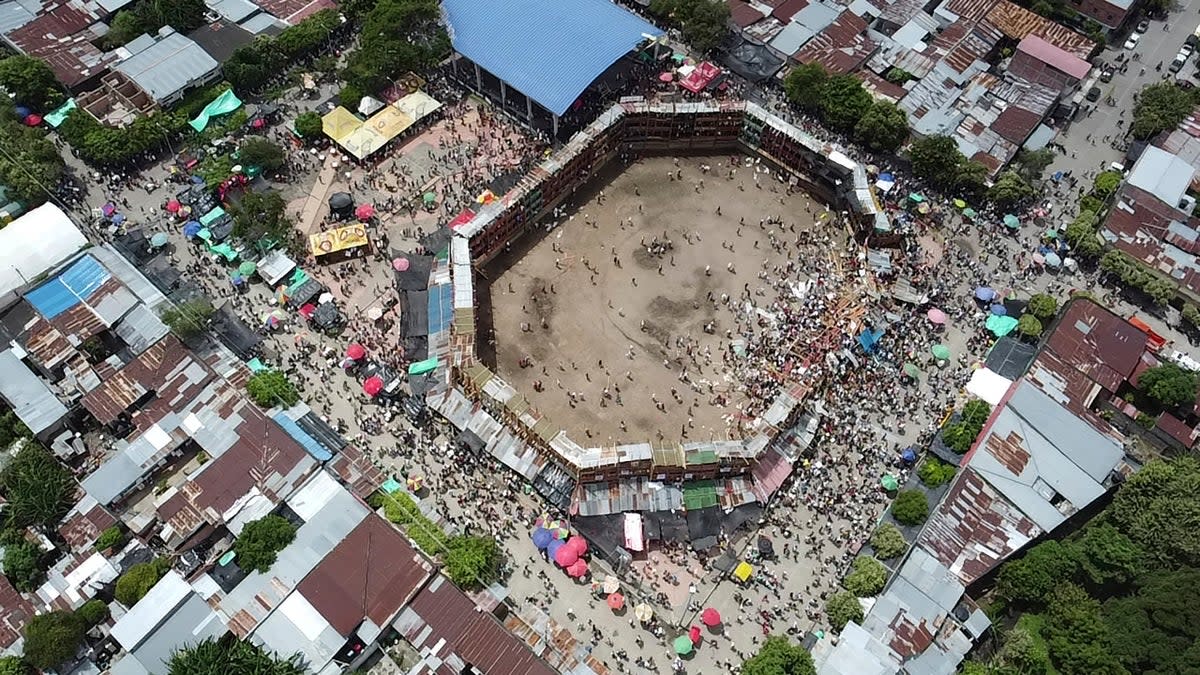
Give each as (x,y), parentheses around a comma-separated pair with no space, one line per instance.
(1038,258)
(694,634)
(33,120)
(373,385)
(173,206)
(356,351)
(579,544)
(578,569)
(710,617)
(616,601)
(364,212)
(666,77)
(565,556)
(400,264)
(936,316)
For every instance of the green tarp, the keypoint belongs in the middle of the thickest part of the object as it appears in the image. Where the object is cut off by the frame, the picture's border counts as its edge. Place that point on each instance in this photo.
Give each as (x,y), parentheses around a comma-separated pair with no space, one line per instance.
(221,105)
(204,235)
(256,366)
(423,366)
(225,251)
(208,218)
(1000,325)
(60,115)
(390,486)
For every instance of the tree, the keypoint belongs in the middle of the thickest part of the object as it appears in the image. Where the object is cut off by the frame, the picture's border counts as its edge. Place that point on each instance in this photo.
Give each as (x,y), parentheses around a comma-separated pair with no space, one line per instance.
(960,436)
(804,84)
(1168,384)
(1076,635)
(53,638)
(976,412)
(888,542)
(844,102)
(1157,629)
(911,507)
(147,16)
(31,82)
(936,159)
(1010,189)
(308,126)
(31,166)
(1190,314)
(1023,653)
(137,581)
(1160,107)
(188,319)
(93,612)
(1029,326)
(1107,556)
(935,473)
(11,428)
(1031,578)
(778,656)
(13,665)
(257,151)
(842,608)
(1043,306)
(261,540)
(471,562)
(883,128)
(1158,510)
(38,489)
(704,23)
(229,655)
(1081,235)
(397,36)
(970,179)
(22,566)
(270,388)
(110,538)
(866,578)
(1106,184)
(262,214)
(1033,163)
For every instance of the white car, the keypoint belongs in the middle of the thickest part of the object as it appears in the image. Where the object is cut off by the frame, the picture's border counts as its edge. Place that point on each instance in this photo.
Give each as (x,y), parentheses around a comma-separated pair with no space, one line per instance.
(1132,41)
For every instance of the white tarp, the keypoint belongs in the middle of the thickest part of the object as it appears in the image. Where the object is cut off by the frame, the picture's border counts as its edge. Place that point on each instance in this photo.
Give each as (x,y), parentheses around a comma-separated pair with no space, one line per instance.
(988,385)
(34,243)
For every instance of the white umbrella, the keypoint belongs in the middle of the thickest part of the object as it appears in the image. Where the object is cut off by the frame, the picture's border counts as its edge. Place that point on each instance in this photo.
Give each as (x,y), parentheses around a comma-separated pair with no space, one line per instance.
(374,314)
(325,297)
(611,584)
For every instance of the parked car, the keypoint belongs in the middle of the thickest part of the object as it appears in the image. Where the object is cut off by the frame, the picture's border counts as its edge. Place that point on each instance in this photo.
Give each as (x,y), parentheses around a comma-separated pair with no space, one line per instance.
(1093,94)
(1187,49)
(1177,64)
(1132,41)
(1106,75)
(1143,26)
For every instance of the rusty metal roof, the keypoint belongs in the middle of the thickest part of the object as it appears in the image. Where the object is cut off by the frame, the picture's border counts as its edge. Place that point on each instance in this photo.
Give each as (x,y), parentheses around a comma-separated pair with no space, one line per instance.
(1093,340)
(167,370)
(357,471)
(1017,23)
(371,574)
(15,611)
(1015,124)
(84,523)
(841,47)
(62,38)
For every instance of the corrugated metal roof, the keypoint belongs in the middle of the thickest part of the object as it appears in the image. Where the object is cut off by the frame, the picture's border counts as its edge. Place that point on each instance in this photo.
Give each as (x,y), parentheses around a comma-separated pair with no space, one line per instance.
(553,67)
(1162,174)
(35,243)
(28,396)
(173,63)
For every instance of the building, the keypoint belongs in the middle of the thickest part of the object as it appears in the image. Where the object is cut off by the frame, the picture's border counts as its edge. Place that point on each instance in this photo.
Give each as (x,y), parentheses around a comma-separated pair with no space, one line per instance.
(170,617)
(1039,61)
(1112,14)
(166,65)
(45,238)
(63,34)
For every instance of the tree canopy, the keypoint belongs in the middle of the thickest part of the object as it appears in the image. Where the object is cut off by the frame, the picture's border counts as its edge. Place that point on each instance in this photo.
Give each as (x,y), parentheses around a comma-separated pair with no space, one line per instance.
(37,487)
(804,85)
(261,540)
(22,566)
(911,507)
(1010,189)
(936,159)
(188,319)
(1157,630)
(93,612)
(704,23)
(1168,384)
(14,665)
(53,638)
(31,82)
(1081,235)
(1158,510)
(778,656)
(397,36)
(471,562)
(252,66)
(258,151)
(866,578)
(1043,306)
(1160,107)
(842,608)
(309,126)
(30,165)
(137,581)
(934,472)
(147,16)
(888,542)
(270,388)
(1029,326)
(844,102)
(1031,578)
(229,655)
(263,214)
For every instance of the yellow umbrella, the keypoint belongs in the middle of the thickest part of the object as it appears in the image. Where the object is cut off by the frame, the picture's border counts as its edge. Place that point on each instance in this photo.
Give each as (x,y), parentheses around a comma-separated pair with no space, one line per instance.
(611,584)
(643,612)
(743,571)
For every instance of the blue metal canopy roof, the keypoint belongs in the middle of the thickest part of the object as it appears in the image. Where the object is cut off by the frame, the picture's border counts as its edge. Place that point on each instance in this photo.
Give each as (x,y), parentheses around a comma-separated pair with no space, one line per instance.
(549,50)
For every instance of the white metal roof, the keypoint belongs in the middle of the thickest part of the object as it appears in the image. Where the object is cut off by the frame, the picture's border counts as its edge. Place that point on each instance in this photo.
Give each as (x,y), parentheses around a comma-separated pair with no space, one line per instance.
(131,629)
(35,243)
(169,65)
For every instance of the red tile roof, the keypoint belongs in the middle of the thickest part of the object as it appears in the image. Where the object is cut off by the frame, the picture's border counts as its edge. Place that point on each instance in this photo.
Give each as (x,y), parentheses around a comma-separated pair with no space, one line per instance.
(371,574)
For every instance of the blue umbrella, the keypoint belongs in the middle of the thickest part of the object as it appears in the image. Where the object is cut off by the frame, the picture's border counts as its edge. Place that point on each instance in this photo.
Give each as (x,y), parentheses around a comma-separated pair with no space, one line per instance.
(197,180)
(118,219)
(192,228)
(908,455)
(886,176)
(542,538)
(553,546)
(999,310)
(984,294)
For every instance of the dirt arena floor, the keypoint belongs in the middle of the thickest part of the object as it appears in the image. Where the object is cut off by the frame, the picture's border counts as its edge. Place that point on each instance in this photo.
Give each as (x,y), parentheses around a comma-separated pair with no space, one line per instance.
(616,336)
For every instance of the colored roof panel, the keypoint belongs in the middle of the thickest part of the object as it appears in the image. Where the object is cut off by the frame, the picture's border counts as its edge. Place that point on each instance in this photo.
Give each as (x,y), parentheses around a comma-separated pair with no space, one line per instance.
(1054,56)
(509,38)
(45,237)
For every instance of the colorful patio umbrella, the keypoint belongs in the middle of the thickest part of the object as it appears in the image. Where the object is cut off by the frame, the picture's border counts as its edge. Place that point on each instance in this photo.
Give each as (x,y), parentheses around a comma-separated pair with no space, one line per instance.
(611,584)
(541,538)
(923,208)
(400,264)
(694,634)
(247,268)
(683,645)
(1051,233)
(970,213)
(1053,260)
(192,228)
(916,197)
(936,316)
(1000,325)
(643,612)
(1039,259)
(710,617)
(577,569)
(984,294)
(911,370)
(274,317)
(998,310)
(960,203)
(889,482)
(373,385)
(579,544)
(565,556)
(159,239)
(429,198)
(173,205)
(554,547)
(108,209)
(1011,221)
(616,601)
(364,212)
(415,483)
(666,76)
(941,352)
(356,351)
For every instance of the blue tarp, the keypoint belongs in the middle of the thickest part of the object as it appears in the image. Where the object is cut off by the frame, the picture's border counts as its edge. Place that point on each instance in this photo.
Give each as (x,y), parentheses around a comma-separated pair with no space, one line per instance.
(441,307)
(549,51)
(302,437)
(74,285)
(868,339)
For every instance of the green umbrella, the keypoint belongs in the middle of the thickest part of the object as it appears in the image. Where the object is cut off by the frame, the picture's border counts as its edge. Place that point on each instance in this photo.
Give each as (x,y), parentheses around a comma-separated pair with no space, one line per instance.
(941,352)
(969,213)
(683,645)
(911,370)
(1011,221)
(1052,233)
(916,197)
(960,203)
(247,268)
(1000,325)
(429,197)
(889,482)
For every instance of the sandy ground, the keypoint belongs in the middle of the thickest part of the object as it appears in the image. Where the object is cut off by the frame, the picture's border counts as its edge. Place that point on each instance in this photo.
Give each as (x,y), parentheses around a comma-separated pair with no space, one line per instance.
(601,316)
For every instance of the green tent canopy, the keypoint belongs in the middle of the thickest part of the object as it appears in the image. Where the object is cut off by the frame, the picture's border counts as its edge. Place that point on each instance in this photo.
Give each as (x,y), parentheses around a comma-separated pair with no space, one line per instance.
(256,366)
(390,486)
(247,268)
(889,482)
(911,370)
(1012,222)
(970,213)
(59,115)
(916,197)
(1000,325)
(225,251)
(221,105)
(208,218)
(683,645)
(423,366)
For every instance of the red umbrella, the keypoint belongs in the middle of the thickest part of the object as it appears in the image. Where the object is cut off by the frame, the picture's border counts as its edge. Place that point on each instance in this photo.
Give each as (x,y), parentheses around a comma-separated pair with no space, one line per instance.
(578,569)
(694,634)
(400,264)
(565,556)
(373,385)
(364,212)
(710,617)
(33,120)
(356,351)
(173,205)
(579,544)
(616,601)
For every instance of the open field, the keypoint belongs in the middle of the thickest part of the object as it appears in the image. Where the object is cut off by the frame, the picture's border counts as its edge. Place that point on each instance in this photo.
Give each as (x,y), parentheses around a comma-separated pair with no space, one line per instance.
(609,309)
